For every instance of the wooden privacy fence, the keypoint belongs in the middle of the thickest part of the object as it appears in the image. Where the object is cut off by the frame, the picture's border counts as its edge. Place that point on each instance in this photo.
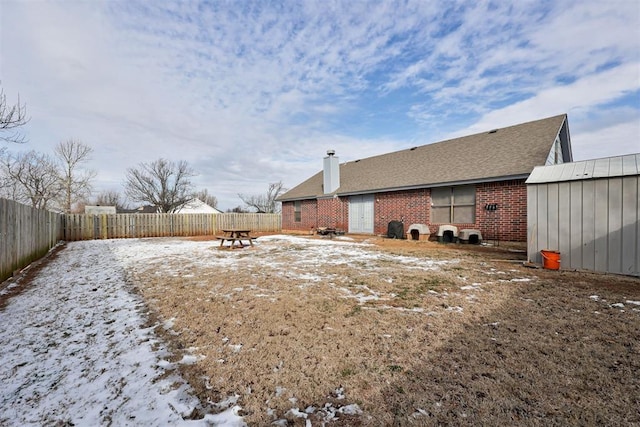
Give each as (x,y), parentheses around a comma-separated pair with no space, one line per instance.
(26,234)
(114,226)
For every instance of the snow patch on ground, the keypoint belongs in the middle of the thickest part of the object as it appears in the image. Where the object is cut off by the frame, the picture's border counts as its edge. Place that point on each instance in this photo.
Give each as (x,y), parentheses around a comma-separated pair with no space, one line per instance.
(74,350)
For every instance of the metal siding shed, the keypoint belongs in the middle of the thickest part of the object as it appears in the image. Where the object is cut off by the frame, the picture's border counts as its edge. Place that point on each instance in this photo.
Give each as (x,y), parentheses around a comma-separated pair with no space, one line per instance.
(601,170)
(568,173)
(555,173)
(630,165)
(589,211)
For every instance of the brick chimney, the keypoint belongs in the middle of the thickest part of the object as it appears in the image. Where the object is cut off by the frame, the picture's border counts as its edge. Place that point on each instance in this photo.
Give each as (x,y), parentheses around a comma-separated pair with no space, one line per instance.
(331,172)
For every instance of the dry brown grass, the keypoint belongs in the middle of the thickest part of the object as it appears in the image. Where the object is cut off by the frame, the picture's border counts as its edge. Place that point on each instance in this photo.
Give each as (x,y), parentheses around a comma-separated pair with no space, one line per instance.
(480,341)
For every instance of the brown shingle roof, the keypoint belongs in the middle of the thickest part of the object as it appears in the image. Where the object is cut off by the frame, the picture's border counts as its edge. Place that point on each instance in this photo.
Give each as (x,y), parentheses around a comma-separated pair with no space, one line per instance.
(505,153)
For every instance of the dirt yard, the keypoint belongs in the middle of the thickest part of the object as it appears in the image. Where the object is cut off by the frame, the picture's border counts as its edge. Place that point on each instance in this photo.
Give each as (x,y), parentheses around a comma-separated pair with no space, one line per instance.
(372,331)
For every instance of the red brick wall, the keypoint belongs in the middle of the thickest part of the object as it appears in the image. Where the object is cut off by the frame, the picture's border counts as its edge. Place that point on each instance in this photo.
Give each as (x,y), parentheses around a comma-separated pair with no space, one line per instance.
(308,217)
(411,207)
(508,222)
(334,212)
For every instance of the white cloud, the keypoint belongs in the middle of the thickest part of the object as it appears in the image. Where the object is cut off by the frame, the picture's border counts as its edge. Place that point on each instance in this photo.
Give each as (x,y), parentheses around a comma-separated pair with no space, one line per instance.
(625,137)
(252,92)
(577,99)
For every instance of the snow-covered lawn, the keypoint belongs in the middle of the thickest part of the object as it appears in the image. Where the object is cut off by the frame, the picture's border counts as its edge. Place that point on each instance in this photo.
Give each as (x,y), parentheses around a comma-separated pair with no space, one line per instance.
(361,324)
(74,350)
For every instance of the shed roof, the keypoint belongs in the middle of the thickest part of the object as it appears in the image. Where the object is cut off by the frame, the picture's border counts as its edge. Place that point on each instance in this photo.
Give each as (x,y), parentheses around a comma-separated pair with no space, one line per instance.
(507,153)
(607,167)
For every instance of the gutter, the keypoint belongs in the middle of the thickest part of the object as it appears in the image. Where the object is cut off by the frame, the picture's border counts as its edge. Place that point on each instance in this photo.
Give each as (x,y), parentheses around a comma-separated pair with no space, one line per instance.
(435,185)
(407,187)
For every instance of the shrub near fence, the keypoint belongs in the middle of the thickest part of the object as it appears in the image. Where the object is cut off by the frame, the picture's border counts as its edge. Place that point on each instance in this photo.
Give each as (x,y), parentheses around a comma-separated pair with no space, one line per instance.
(114,226)
(26,234)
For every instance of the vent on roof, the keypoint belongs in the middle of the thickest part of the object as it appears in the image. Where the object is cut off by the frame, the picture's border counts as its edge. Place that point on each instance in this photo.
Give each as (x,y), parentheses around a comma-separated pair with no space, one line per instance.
(357,161)
(413,148)
(493,131)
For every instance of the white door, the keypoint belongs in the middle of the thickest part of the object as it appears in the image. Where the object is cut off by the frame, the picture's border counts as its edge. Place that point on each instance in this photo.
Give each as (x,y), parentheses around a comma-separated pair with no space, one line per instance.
(361,214)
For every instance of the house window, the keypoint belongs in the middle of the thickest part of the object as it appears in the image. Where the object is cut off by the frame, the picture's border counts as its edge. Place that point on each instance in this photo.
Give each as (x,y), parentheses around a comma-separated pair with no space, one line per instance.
(455,205)
(297,211)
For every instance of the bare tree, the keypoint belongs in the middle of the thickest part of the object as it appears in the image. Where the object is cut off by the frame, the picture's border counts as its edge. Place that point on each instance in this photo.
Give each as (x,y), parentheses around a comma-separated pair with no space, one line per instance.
(237,209)
(162,183)
(9,188)
(11,117)
(209,199)
(110,198)
(265,203)
(31,178)
(75,181)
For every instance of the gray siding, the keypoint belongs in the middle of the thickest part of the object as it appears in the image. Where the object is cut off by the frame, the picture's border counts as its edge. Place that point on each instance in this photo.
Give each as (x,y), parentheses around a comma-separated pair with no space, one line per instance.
(594,223)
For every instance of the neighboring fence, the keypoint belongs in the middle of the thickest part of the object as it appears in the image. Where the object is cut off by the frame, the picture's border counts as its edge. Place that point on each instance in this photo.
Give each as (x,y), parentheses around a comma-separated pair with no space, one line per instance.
(113,226)
(26,234)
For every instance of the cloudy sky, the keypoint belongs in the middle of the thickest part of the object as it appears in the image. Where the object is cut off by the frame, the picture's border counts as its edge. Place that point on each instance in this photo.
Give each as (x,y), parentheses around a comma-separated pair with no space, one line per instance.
(255,92)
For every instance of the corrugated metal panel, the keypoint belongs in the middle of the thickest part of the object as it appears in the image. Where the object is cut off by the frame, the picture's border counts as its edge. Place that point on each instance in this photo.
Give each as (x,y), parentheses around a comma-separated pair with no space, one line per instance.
(608,167)
(575,221)
(630,224)
(589,167)
(564,215)
(555,172)
(552,215)
(567,171)
(614,235)
(580,170)
(615,166)
(588,224)
(543,223)
(594,223)
(532,220)
(631,165)
(601,219)
(601,170)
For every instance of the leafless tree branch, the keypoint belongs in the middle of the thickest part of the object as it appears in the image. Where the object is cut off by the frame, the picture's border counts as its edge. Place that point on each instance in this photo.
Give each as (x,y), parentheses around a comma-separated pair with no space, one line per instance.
(110,198)
(76,182)
(265,203)
(31,178)
(11,117)
(162,183)
(209,199)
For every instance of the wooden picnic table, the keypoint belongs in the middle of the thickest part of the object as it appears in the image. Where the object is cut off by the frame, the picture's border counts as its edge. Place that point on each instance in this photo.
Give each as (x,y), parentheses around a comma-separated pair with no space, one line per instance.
(234,235)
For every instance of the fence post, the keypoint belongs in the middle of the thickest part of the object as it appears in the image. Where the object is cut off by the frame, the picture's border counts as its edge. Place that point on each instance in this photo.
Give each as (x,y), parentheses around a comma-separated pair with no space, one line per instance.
(106,226)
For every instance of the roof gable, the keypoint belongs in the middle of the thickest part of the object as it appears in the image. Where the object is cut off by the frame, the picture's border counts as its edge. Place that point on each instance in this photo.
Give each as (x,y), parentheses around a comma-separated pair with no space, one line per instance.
(196,205)
(506,153)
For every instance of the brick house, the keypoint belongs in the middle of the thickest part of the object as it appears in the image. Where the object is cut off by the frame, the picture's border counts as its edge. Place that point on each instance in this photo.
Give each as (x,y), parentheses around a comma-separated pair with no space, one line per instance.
(476,182)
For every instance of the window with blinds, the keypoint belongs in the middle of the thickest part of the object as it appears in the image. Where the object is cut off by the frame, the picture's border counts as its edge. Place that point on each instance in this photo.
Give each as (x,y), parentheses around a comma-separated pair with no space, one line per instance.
(297,211)
(456,205)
